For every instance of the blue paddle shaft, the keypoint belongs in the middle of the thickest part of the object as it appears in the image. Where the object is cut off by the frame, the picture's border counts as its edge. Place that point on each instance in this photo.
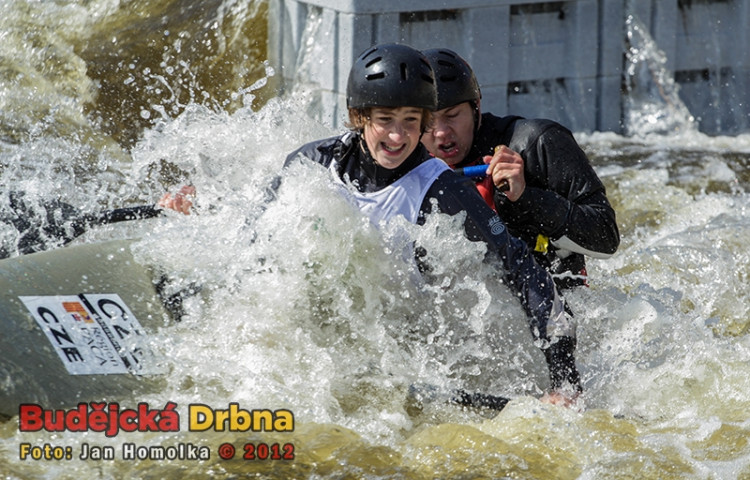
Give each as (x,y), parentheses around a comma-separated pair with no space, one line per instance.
(480,171)
(473,171)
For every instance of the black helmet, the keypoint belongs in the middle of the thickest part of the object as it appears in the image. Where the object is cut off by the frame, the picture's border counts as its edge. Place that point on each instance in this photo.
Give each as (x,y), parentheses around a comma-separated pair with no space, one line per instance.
(391,75)
(456,82)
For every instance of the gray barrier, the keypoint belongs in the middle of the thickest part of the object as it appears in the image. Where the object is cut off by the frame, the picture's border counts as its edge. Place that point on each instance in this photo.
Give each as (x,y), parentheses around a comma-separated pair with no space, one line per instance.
(564,60)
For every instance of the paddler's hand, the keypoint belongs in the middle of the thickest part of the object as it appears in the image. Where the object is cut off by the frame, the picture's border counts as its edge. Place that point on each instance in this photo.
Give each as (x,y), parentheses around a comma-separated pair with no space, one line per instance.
(181,201)
(506,167)
(562,399)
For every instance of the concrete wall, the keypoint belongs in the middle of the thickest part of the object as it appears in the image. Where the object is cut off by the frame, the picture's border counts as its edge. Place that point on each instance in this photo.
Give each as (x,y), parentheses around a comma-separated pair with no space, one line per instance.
(706,46)
(562,60)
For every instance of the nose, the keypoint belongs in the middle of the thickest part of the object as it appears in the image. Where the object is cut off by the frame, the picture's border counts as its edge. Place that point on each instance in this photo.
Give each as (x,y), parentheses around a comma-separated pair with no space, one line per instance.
(398,131)
(439,127)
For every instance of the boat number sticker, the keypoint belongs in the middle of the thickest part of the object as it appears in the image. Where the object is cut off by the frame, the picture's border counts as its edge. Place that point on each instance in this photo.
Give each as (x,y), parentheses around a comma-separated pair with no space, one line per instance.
(93,333)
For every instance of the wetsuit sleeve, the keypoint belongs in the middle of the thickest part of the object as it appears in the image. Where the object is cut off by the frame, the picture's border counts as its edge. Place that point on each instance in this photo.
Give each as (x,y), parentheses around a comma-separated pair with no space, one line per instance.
(551,325)
(55,223)
(319,151)
(564,200)
(307,151)
(39,226)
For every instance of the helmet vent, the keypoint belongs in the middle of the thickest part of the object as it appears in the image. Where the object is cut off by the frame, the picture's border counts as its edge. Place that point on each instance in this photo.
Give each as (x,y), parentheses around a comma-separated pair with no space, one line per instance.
(391,76)
(373,61)
(369,52)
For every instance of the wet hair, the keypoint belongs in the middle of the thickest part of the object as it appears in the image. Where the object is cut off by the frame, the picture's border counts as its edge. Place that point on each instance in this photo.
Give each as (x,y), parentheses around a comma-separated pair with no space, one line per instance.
(359,117)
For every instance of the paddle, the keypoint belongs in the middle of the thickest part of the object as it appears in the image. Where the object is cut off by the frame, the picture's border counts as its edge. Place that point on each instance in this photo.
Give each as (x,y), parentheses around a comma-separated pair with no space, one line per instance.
(118,215)
(480,171)
(432,393)
(480,400)
(474,171)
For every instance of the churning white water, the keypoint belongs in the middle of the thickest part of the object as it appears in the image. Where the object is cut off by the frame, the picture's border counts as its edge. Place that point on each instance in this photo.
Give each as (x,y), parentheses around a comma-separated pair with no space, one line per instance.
(304,306)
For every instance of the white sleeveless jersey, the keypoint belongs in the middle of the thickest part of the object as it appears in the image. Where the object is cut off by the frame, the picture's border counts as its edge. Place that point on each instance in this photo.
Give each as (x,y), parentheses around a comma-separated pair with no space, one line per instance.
(403,197)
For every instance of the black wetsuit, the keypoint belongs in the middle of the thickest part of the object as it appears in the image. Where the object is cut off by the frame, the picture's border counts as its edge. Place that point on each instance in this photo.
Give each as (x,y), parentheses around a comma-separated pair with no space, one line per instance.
(455,194)
(563,197)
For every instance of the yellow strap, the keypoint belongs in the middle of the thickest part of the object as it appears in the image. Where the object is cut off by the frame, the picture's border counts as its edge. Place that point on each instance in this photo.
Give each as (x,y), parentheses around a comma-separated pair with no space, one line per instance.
(542,242)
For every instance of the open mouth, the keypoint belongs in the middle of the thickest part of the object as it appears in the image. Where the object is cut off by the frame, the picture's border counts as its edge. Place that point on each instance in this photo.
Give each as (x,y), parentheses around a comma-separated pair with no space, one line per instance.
(393,150)
(448,149)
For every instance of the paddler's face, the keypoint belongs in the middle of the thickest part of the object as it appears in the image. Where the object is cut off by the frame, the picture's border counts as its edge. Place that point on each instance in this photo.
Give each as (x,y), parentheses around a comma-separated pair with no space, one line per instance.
(392,134)
(451,134)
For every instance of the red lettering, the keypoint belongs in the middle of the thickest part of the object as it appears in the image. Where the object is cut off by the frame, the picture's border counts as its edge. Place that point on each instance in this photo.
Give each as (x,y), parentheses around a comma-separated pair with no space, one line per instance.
(147,418)
(114,409)
(77,420)
(128,421)
(54,420)
(30,417)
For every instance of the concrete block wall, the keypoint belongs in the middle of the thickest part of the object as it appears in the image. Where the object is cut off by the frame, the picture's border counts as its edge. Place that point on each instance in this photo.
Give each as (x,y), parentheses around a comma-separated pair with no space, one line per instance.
(706,46)
(564,62)
(561,60)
